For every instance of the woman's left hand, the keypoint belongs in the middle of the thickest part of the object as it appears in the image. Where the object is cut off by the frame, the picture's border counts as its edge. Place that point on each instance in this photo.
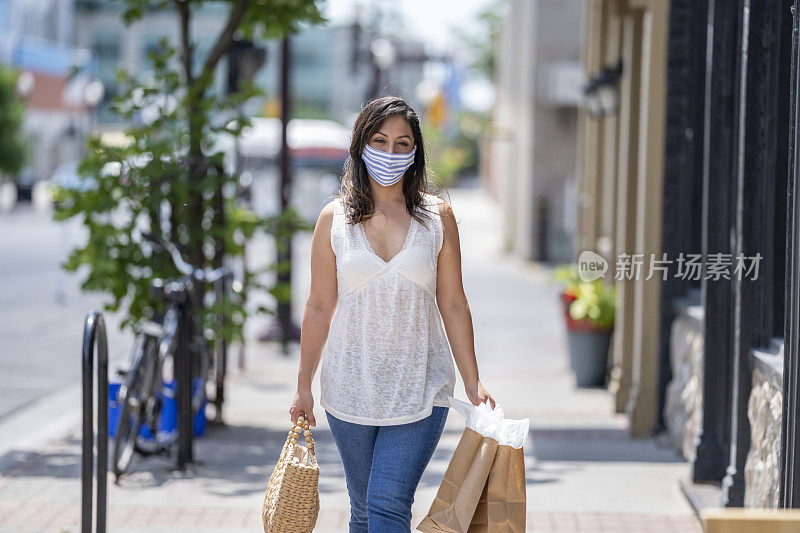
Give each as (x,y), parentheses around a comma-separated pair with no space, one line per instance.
(478,395)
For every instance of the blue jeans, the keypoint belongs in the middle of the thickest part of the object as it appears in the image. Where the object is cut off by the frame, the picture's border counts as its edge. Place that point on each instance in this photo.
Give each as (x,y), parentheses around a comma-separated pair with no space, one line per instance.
(383,466)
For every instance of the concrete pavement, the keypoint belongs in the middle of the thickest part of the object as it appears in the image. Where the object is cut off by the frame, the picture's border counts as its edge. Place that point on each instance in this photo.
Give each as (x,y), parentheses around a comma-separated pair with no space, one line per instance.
(583,473)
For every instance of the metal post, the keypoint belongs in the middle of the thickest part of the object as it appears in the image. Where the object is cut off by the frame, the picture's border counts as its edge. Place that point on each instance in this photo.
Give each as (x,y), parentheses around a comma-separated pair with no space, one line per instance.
(683,166)
(719,171)
(541,245)
(283,329)
(220,349)
(789,496)
(759,167)
(183,393)
(285,275)
(94,330)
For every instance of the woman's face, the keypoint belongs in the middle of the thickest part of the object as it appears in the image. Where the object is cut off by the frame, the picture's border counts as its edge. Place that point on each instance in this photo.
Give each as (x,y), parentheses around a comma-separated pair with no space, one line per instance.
(394,136)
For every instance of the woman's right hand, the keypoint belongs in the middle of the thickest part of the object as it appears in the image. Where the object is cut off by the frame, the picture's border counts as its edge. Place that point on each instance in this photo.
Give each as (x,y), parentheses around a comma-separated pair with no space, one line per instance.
(303,404)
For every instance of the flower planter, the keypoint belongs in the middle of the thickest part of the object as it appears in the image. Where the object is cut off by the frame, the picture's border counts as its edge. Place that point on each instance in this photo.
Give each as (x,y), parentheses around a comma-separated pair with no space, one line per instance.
(588,354)
(588,308)
(588,349)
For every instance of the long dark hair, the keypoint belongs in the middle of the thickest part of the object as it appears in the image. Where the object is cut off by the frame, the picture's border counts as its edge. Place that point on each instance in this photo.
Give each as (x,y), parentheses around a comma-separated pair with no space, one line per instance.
(355,190)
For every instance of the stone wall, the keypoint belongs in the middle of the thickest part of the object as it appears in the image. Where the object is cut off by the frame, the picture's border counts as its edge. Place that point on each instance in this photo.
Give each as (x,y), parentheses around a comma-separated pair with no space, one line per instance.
(683,407)
(762,468)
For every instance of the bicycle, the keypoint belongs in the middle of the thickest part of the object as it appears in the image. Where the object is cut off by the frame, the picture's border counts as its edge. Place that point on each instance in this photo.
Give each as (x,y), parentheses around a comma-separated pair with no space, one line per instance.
(155,346)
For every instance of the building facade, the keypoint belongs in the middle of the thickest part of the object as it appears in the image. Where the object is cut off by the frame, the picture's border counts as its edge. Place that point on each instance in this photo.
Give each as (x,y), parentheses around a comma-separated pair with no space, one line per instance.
(691,167)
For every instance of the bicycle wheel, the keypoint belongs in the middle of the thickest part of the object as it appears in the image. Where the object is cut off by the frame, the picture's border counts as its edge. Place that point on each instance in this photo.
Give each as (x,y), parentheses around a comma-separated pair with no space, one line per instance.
(202,362)
(164,348)
(133,394)
(151,412)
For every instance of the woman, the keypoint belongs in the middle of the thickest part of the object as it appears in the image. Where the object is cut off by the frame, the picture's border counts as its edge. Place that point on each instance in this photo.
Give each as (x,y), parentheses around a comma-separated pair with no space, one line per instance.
(388,251)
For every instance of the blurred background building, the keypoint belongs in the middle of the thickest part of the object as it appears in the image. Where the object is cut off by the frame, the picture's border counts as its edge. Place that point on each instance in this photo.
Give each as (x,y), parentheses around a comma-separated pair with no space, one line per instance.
(69,52)
(531,168)
(331,71)
(56,80)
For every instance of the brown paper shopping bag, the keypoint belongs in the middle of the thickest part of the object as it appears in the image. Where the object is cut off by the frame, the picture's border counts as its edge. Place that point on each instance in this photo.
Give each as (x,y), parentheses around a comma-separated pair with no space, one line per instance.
(464,480)
(501,508)
(483,489)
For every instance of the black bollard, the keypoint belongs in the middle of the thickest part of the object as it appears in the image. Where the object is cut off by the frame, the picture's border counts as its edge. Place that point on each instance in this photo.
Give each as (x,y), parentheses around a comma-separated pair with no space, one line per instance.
(183,395)
(94,332)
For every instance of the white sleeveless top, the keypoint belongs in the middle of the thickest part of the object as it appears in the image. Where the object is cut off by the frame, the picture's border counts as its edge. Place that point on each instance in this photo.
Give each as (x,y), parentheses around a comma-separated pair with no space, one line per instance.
(387,359)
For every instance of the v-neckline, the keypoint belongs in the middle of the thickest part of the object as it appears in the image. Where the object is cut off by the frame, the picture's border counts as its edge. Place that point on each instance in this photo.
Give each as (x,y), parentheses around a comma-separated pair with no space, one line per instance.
(403,249)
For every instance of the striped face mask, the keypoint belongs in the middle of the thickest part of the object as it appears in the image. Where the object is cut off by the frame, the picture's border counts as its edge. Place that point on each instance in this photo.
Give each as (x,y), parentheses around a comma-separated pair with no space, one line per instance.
(385,168)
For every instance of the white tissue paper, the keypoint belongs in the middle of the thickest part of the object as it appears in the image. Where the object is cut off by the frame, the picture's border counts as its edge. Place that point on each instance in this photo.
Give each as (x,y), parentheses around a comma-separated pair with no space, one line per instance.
(491,423)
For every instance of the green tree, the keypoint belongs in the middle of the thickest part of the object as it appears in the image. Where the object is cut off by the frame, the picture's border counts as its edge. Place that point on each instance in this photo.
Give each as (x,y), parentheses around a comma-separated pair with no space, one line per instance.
(481,44)
(168,174)
(13,149)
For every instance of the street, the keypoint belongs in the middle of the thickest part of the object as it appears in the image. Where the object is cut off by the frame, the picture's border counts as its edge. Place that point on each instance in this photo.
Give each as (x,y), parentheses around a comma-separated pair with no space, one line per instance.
(41,309)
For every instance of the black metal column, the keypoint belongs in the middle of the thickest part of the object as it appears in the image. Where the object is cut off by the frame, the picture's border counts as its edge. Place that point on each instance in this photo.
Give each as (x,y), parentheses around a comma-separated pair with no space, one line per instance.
(790,444)
(284,329)
(756,158)
(683,163)
(718,234)
(183,395)
(94,338)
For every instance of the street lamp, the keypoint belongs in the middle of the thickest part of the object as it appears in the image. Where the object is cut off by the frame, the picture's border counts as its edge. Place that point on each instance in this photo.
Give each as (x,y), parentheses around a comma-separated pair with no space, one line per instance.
(601,95)
(245,59)
(93,93)
(426,90)
(383,53)
(383,57)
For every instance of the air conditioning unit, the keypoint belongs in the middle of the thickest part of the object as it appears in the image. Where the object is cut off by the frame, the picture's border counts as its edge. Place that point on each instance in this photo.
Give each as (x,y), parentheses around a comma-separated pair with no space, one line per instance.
(560,84)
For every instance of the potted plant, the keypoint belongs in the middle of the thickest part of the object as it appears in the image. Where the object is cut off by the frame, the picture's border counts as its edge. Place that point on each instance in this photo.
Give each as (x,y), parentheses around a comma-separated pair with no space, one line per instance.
(588,308)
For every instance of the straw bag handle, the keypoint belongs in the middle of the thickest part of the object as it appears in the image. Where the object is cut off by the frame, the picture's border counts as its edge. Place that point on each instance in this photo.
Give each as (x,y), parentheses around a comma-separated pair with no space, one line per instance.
(303,427)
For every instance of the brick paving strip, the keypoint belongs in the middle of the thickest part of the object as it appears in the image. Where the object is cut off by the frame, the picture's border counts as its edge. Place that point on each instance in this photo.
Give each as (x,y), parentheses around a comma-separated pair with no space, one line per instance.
(65,517)
(611,523)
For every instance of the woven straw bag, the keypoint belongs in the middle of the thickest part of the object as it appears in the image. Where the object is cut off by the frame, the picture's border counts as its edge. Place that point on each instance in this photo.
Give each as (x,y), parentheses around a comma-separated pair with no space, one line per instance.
(291,501)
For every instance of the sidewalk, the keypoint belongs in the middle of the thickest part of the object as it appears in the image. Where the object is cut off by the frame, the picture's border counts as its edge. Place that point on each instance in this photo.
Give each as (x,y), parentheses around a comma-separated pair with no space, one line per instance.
(583,473)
